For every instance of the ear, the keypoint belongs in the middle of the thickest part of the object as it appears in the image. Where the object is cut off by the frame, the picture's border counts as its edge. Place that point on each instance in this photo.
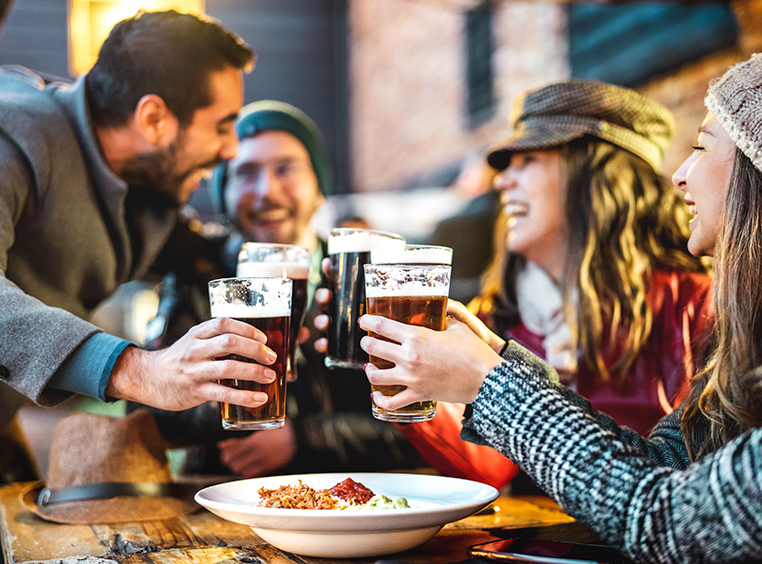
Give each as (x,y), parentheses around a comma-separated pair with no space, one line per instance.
(154,120)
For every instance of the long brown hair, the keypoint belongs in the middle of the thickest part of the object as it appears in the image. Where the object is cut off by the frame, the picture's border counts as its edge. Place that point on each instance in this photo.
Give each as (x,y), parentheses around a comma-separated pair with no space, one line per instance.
(726,398)
(625,221)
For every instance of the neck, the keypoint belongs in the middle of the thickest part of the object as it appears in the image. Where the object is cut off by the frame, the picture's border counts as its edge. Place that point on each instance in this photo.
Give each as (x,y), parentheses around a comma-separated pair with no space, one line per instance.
(118,144)
(308,240)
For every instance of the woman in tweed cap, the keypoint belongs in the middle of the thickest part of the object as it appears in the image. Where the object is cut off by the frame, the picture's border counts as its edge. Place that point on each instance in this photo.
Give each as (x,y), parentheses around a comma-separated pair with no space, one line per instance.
(592,272)
(692,491)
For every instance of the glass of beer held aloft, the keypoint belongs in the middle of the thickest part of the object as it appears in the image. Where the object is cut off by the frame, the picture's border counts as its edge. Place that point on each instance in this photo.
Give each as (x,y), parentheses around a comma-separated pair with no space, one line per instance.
(415,294)
(284,261)
(264,303)
(348,250)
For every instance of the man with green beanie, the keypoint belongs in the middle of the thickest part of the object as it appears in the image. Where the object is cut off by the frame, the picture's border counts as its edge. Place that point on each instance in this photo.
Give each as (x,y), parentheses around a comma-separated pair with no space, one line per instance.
(276,183)
(269,193)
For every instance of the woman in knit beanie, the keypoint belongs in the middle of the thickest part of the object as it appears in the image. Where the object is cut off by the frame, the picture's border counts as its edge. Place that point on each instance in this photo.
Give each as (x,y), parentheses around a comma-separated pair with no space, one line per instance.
(692,491)
(591,269)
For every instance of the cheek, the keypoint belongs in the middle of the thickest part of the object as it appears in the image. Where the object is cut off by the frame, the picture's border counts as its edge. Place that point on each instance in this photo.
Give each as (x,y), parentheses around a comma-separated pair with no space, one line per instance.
(239,203)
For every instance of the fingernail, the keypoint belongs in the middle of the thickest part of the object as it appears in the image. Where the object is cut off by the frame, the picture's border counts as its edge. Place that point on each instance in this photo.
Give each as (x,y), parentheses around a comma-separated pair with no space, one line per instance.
(364,366)
(271,356)
(259,397)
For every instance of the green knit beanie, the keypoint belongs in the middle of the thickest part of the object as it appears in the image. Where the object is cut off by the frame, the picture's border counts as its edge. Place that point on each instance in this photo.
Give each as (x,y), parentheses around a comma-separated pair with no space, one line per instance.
(271,115)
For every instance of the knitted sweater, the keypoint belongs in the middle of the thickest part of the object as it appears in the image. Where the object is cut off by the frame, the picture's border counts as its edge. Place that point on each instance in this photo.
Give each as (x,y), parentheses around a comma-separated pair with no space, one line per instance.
(641,496)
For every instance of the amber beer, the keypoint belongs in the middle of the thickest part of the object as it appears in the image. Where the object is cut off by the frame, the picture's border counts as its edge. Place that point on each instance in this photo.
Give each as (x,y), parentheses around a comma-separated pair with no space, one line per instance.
(411,294)
(349,250)
(257,260)
(264,303)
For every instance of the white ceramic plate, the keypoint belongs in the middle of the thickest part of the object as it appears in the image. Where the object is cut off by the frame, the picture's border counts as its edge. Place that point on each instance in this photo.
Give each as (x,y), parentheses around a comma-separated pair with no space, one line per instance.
(434,501)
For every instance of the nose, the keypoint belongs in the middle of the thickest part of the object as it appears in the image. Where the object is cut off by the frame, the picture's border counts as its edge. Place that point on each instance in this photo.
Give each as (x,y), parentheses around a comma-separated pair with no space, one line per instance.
(229,147)
(504,180)
(679,178)
(267,182)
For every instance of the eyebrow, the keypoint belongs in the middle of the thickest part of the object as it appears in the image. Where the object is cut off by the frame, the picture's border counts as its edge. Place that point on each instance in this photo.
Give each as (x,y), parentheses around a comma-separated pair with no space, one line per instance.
(228,118)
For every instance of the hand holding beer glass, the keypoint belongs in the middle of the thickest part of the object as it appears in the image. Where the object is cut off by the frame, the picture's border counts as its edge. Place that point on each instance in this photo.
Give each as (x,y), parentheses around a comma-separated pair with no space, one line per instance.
(415,294)
(284,261)
(264,303)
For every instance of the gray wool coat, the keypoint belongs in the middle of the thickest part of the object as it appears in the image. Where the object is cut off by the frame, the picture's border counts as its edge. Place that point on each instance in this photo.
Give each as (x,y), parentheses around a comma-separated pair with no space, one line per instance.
(69,233)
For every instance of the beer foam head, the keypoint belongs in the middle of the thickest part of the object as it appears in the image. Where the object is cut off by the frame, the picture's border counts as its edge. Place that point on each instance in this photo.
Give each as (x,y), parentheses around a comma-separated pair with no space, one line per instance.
(361,240)
(294,270)
(411,254)
(245,311)
(250,297)
(407,281)
(273,252)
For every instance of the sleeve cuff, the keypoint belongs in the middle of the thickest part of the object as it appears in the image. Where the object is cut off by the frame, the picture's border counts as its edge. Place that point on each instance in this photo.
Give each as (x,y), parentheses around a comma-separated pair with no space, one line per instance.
(88,368)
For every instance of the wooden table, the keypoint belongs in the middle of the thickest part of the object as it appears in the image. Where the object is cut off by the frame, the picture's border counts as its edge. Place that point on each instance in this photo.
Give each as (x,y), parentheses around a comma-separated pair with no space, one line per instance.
(204,538)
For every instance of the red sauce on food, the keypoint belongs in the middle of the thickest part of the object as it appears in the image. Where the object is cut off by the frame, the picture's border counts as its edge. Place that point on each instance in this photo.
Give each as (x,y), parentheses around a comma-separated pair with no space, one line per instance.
(349,490)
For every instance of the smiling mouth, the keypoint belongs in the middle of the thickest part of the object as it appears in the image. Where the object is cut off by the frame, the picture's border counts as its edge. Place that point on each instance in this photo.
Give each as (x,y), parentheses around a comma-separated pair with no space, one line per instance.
(272,216)
(692,210)
(516,209)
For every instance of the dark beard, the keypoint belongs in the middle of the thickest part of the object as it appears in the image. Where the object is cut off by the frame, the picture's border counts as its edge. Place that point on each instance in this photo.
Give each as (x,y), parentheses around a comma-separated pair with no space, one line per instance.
(154,172)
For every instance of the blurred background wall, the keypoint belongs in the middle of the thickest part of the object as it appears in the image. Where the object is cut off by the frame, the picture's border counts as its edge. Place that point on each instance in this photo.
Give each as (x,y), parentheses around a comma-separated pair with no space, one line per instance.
(405,90)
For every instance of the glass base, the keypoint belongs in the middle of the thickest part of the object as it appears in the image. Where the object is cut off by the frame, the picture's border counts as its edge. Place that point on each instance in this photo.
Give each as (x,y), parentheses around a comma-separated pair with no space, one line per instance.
(403,416)
(332,363)
(252,425)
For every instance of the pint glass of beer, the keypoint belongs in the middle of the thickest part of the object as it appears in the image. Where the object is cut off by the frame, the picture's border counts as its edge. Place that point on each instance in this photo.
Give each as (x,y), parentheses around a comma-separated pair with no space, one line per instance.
(349,249)
(264,303)
(256,260)
(412,294)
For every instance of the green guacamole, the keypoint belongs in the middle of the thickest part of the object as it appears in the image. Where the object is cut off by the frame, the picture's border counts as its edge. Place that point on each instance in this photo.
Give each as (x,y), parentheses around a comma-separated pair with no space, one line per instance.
(383,502)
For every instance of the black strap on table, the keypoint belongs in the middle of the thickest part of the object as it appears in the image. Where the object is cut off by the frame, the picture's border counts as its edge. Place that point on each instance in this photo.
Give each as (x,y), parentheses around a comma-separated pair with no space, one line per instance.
(104,491)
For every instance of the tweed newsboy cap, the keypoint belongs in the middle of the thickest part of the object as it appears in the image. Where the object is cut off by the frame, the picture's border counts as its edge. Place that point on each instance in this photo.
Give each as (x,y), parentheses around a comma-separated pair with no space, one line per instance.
(556,114)
(736,100)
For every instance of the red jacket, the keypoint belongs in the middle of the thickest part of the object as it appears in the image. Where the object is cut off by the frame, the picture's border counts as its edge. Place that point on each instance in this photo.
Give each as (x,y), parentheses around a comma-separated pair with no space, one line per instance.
(681,304)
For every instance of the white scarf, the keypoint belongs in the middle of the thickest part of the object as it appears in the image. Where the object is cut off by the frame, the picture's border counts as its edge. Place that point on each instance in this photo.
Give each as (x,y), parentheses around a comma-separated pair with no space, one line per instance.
(542,311)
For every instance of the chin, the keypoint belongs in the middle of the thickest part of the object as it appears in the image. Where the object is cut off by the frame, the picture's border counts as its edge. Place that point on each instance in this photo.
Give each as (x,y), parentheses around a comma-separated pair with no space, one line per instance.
(699,249)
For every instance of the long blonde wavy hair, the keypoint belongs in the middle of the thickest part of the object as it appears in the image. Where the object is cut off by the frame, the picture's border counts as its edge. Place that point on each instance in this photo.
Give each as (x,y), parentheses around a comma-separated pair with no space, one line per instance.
(625,221)
(726,398)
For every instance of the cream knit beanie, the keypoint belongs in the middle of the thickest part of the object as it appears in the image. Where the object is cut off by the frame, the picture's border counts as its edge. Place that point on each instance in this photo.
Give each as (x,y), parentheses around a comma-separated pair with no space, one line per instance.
(736,100)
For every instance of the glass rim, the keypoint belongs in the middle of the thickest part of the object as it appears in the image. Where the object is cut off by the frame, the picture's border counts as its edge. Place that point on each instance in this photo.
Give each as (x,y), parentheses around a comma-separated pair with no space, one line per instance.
(261,245)
(411,254)
(232,279)
(403,266)
(344,231)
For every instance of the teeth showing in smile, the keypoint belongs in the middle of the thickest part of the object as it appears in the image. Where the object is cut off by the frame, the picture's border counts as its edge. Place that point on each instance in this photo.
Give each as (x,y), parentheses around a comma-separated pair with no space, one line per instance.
(515,209)
(279,214)
(692,210)
(205,173)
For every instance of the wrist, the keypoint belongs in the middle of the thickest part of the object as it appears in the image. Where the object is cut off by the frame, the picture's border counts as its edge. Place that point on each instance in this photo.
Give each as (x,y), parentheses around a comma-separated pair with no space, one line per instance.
(122,379)
(490,363)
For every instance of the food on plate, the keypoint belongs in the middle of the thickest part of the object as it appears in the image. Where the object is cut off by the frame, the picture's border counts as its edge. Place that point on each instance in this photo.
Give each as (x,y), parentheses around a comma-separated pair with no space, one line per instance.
(383,502)
(344,495)
(351,491)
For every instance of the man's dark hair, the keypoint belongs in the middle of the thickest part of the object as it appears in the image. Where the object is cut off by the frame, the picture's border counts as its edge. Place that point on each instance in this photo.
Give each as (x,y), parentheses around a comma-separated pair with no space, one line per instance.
(164,53)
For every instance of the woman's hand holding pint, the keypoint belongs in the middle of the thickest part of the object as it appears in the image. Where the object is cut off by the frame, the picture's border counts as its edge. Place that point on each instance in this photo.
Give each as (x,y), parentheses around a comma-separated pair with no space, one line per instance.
(447,365)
